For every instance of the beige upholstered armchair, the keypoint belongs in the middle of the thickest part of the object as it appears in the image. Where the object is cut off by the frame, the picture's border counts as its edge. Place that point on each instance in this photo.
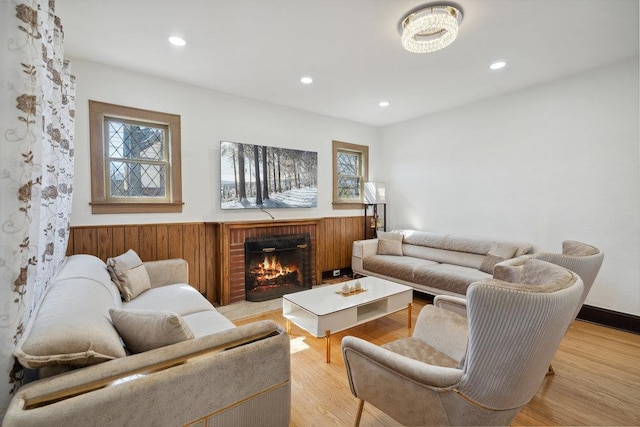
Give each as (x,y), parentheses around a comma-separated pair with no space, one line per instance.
(581,258)
(475,370)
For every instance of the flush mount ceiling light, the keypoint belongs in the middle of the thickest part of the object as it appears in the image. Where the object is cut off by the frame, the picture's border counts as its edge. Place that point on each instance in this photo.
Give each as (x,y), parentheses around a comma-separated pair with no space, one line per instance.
(497,65)
(177,41)
(430,28)
(306,80)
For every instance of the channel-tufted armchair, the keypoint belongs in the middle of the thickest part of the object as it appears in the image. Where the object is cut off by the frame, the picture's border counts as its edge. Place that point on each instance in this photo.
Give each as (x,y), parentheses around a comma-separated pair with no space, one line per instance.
(583,259)
(475,370)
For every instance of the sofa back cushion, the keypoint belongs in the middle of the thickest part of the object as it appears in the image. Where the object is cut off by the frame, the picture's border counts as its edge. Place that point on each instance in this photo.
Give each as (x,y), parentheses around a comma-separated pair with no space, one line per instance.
(464,259)
(84,266)
(451,249)
(71,323)
(71,326)
(423,238)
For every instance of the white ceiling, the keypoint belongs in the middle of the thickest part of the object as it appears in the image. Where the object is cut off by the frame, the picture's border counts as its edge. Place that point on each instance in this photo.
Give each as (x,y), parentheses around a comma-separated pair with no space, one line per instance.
(259,49)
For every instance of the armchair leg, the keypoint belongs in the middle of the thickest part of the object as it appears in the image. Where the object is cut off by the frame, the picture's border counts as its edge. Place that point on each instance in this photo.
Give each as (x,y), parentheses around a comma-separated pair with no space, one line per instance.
(359,415)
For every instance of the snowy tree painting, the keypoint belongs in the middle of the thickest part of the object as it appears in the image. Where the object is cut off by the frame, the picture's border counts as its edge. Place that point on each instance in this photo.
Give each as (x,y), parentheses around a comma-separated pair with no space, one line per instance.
(259,177)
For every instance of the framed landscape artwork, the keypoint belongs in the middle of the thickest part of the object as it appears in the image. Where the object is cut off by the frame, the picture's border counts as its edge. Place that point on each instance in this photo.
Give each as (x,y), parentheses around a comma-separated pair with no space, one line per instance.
(261,177)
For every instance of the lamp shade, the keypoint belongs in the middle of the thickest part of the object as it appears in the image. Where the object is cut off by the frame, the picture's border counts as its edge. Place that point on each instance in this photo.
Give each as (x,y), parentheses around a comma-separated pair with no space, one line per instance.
(374,192)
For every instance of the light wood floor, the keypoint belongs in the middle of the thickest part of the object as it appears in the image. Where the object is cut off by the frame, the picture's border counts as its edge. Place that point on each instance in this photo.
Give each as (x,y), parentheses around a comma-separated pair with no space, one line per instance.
(597,379)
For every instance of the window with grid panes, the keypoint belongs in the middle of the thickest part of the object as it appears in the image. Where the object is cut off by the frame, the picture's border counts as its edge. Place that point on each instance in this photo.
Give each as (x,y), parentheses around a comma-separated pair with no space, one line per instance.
(135,158)
(350,169)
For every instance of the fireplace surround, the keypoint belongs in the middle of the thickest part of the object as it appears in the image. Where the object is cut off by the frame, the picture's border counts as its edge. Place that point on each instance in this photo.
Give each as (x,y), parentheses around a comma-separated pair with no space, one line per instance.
(231,250)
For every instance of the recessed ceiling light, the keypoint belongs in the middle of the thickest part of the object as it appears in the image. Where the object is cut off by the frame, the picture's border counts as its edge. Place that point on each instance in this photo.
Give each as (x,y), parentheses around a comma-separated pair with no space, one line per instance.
(177,41)
(498,65)
(383,103)
(306,80)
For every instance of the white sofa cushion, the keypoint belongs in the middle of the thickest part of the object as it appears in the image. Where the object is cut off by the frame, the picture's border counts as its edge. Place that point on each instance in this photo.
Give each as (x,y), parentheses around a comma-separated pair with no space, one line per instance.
(88,267)
(179,298)
(143,330)
(423,238)
(207,323)
(441,255)
(448,277)
(71,326)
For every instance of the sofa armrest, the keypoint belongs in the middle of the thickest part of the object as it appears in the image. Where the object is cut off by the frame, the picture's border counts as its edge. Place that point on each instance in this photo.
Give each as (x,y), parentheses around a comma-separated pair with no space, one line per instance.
(245,371)
(167,272)
(360,250)
(365,248)
(454,304)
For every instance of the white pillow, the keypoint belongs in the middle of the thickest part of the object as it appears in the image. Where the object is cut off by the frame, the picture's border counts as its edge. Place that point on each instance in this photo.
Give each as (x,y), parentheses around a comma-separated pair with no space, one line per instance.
(143,330)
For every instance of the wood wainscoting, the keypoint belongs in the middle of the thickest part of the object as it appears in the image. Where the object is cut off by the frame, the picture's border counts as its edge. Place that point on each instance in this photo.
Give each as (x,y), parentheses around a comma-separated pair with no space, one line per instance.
(199,244)
(152,242)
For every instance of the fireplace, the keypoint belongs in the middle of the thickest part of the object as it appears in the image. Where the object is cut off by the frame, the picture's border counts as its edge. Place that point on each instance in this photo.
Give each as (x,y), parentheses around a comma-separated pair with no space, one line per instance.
(277,265)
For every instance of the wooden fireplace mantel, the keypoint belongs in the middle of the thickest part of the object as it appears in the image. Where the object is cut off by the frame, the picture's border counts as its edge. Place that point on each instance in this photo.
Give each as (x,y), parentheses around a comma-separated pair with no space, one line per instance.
(231,235)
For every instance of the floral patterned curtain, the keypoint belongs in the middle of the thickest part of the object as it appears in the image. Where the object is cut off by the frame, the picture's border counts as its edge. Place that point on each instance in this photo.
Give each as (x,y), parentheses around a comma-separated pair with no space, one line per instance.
(36,166)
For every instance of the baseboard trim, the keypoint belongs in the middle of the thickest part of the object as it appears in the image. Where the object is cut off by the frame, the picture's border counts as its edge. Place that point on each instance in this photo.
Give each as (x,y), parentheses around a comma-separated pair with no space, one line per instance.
(613,319)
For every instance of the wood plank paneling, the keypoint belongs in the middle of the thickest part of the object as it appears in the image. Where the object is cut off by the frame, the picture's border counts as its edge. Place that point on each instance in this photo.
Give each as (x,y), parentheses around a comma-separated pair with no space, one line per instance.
(201,246)
(162,241)
(105,242)
(338,234)
(131,238)
(211,255)
(190,251)
(118,241)
(147,242)
(174,249)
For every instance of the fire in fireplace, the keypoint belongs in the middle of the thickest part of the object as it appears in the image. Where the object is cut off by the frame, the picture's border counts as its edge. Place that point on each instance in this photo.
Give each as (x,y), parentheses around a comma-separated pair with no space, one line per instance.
(277,265)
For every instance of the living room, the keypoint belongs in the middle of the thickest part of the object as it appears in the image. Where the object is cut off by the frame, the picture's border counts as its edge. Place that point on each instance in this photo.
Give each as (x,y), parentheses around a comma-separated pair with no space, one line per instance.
(546,149)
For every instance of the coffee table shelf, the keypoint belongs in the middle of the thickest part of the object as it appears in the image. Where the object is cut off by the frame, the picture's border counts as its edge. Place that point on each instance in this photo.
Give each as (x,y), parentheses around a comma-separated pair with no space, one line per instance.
(322,311)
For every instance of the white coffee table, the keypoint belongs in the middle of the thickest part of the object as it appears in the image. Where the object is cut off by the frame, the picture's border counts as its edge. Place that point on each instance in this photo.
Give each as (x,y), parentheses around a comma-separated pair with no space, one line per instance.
(322,311)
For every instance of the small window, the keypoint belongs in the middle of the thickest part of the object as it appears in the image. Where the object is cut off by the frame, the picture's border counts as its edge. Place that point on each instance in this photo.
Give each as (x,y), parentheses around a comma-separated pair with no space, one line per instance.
(350,171)
(135,160)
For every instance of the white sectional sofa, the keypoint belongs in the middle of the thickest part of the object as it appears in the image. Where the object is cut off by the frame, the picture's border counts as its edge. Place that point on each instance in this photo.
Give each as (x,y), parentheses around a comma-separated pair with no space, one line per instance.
(170,359)
(432,262)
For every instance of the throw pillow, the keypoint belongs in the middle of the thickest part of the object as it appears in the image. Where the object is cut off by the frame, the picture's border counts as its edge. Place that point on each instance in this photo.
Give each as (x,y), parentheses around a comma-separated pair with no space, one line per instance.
(143,330)
(389,247)
(497,253)
(129,274)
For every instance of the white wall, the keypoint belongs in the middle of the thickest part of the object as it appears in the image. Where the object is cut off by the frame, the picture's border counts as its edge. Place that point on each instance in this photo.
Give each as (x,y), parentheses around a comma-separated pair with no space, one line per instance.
(207,118)
(552,162)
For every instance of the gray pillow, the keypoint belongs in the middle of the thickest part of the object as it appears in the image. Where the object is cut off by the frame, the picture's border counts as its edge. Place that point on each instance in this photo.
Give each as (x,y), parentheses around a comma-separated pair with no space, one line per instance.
(389,247)
(129,274)
(143,330)
(497,253)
